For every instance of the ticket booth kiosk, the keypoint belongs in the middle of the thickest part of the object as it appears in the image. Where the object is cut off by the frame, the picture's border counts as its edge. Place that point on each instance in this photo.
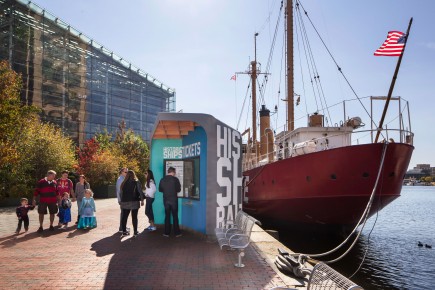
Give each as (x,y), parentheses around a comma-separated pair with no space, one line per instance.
(207,156)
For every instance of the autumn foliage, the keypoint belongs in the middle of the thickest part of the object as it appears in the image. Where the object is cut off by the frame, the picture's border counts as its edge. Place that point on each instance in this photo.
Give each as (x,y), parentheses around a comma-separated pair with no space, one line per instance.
(101,157)
(30,147)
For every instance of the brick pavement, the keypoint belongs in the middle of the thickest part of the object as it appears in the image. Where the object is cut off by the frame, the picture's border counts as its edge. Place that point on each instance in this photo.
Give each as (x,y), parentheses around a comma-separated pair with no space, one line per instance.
(99,258)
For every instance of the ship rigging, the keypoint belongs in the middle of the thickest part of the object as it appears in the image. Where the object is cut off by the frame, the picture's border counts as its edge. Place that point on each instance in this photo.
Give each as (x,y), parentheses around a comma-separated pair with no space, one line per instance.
(319,174)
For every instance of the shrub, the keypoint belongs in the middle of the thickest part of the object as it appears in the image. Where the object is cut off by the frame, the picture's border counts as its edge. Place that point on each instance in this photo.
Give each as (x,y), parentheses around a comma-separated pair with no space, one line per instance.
(103,169)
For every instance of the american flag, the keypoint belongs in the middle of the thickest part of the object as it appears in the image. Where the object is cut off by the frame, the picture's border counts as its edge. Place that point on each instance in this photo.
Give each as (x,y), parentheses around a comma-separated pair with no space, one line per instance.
(393,46)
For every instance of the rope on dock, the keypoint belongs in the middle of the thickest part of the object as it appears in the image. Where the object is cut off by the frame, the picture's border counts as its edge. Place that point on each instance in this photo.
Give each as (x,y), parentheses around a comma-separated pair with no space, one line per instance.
(363,219)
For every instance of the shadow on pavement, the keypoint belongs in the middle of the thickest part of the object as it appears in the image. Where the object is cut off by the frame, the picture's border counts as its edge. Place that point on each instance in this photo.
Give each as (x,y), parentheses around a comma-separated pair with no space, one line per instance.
(107,246)
(12,240)
(151,261)
(77,232)
(138,262)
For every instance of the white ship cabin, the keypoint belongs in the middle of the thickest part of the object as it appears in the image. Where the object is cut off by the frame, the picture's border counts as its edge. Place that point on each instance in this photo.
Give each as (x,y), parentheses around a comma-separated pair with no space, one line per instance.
(314,138)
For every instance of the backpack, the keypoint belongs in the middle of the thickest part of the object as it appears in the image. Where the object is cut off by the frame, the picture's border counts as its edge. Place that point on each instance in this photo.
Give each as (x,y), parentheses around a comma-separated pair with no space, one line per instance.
(66,203)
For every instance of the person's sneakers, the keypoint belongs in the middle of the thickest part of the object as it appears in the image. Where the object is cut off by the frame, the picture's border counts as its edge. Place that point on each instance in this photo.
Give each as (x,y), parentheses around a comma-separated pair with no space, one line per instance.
(39,230)
(179,235)
(51,228)
(124,234)
(151,229)
(166,236)
(136,234)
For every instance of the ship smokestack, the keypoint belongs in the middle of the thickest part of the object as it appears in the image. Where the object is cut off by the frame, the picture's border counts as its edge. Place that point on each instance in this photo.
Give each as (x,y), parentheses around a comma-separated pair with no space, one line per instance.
(266,133)
(316,120)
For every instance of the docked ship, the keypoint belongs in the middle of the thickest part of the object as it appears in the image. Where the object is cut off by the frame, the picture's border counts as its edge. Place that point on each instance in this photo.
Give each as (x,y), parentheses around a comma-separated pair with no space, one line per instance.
(322,176)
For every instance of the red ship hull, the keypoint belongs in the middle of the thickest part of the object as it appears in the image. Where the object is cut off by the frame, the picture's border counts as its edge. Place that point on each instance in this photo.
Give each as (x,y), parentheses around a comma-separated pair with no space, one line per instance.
(329,189)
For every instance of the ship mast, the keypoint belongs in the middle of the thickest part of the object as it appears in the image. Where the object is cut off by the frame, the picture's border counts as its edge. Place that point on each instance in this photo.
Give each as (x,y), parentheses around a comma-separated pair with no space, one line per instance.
(254,92)
(289,57)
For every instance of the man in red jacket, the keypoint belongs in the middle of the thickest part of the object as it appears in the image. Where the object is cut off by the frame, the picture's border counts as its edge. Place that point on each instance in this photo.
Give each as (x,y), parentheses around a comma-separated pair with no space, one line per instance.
(48,198)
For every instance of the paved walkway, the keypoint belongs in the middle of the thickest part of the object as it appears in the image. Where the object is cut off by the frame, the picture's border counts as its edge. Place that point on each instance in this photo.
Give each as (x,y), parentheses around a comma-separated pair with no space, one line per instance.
(99,258)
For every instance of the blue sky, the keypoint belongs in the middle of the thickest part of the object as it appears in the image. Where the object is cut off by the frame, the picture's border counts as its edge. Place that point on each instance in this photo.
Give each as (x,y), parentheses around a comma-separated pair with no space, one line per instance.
(195,46)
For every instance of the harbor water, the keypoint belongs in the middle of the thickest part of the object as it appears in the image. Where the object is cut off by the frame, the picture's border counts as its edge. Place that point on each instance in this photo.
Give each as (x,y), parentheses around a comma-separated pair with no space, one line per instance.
(387,255)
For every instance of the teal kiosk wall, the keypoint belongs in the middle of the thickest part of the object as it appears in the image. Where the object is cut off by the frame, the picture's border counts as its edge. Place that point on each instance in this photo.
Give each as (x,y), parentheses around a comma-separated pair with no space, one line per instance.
(208,158)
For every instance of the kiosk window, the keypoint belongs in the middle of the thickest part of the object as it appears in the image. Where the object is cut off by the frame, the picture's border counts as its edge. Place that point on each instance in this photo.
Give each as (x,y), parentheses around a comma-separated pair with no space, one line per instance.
(179,167)
(191,178)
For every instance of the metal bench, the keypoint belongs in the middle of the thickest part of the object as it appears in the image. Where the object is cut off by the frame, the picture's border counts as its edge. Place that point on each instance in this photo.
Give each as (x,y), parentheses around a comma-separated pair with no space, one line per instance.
(324,277)
(229,224)
(232,228)
(239,238)
(321,276)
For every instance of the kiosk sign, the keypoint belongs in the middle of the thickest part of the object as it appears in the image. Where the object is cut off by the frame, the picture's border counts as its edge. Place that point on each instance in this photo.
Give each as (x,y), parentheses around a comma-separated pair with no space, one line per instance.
(228,172)
(188,151)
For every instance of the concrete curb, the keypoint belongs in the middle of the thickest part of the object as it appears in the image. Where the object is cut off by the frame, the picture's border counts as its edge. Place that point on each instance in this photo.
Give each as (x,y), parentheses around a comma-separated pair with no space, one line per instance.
(266,247)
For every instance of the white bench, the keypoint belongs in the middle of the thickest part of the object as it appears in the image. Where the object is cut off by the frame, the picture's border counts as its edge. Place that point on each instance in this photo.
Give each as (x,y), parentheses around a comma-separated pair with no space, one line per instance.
(239,236)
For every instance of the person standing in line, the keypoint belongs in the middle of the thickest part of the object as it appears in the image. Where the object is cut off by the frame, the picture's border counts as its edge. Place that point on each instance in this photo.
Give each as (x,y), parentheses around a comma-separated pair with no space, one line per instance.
(64,184)
(46,189)
(150,190)
(81,186)
(22,215)
(170,186)
(131,195)
(122,174)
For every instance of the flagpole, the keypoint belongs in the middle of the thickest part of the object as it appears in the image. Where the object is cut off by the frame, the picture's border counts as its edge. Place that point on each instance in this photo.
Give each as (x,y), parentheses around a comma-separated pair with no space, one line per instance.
(393,81)
(235,98)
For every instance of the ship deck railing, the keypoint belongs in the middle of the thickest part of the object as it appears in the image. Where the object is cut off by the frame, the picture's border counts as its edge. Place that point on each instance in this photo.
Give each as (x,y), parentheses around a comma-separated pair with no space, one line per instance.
(251,158)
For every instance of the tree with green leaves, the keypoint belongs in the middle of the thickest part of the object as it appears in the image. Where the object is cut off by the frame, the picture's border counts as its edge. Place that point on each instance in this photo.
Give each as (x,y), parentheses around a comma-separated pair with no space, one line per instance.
(28,147)
(13,116)
(133,148)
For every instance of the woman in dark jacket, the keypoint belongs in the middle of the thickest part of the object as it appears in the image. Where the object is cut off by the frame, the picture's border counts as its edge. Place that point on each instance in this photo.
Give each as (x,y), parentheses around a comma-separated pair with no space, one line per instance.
(131,200)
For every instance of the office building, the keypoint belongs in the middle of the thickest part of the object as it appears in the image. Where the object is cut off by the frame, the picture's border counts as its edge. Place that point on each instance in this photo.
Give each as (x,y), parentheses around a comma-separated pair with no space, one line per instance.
(79,84)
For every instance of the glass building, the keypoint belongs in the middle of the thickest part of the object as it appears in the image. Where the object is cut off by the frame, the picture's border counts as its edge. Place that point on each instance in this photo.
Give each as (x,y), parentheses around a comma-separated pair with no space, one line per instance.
(79,84)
